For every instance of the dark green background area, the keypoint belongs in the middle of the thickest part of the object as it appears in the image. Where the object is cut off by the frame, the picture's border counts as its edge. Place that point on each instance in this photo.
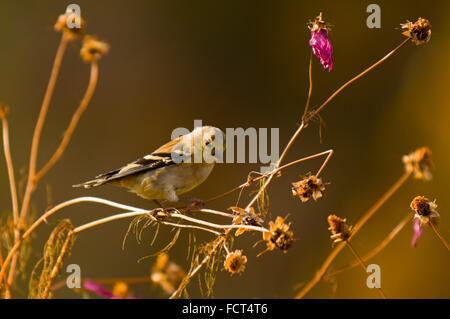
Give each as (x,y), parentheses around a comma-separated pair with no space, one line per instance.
(240,64)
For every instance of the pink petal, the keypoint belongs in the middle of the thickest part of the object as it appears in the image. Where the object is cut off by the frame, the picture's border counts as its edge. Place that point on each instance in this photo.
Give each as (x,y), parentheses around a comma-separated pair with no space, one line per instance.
(322,48)
(417,232)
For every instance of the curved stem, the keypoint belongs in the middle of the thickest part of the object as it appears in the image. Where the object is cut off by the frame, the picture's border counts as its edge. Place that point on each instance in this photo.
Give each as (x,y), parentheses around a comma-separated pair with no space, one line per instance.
(310,88)
(363,265)
(374,251)
(187,279)
(41,219)
(438,234)
(39,126)
(387,56)
(320,273)
(35,145)
(380,203)
(73,123)
(10,167)
(246,184)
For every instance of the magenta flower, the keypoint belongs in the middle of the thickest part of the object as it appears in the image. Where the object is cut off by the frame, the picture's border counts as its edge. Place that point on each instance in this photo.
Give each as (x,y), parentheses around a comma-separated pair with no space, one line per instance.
(103,292)
(320,43)
(417,231)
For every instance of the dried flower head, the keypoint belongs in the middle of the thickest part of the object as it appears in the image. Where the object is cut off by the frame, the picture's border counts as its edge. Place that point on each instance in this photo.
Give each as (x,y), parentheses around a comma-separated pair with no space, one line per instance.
(93,49)
(120,290)
(419,163)
(279,236)
(320,43)
(235,262)
(424,213)
(245,217)
(424,209)
(419,32)
(70,24)
(310,186)
(167,274)
(339,228)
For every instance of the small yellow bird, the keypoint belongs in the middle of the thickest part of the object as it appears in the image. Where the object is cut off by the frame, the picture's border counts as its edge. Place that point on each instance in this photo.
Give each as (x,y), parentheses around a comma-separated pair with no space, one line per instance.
(173,169)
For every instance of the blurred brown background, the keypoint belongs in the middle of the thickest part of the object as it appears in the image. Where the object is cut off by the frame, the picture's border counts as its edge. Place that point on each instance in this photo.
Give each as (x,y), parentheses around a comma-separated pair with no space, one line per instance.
(240,64)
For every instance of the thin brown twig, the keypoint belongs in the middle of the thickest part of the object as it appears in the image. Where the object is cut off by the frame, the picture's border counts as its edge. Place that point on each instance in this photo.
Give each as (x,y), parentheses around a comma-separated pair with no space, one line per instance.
(10,167)
(374,251)
(320,273)
(187,279)
(439,235)
(380,203)
(73,122)
(307,119)
(13,190)
(7,288)
(303,125)
(35,145)
(363,265)
(320,108)
(39,126)
(310,88)
(274,172)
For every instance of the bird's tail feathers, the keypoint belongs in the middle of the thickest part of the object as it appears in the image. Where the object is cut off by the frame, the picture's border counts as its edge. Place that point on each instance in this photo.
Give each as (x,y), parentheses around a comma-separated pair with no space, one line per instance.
(92,183)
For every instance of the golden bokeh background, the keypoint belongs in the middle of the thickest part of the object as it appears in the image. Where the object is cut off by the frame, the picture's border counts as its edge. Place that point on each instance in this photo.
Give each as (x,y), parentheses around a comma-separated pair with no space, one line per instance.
(240,64)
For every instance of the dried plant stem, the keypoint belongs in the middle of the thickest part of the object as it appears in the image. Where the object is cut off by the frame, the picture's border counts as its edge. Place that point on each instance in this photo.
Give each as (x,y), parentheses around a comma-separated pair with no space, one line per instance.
(43,218)
(187,279)
(13,190)
(363,265)
(57,266)
(73,122)
(171,215)
(35,144)
(438,234)
(39,126)
(307,119)
(7,288)
(308,100)
(10,167)
(380,202)
(374,251)
(274,172)
(133,211)
(387,56)
(214,212)
(290,143)
(138,213)
(320,273)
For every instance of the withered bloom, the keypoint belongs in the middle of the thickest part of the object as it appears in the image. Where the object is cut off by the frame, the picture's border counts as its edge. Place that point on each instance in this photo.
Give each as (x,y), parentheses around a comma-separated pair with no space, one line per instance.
(167,274)
(419,32)
(419,163)
(93,49)
(235,262)
(339,229)
(279,236)
(310,186)
(63,24)
(245,217)
(320,43)
(425,213)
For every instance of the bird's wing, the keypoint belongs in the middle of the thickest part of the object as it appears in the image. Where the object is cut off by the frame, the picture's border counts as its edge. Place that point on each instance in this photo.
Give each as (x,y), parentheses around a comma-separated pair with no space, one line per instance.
(162,157)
